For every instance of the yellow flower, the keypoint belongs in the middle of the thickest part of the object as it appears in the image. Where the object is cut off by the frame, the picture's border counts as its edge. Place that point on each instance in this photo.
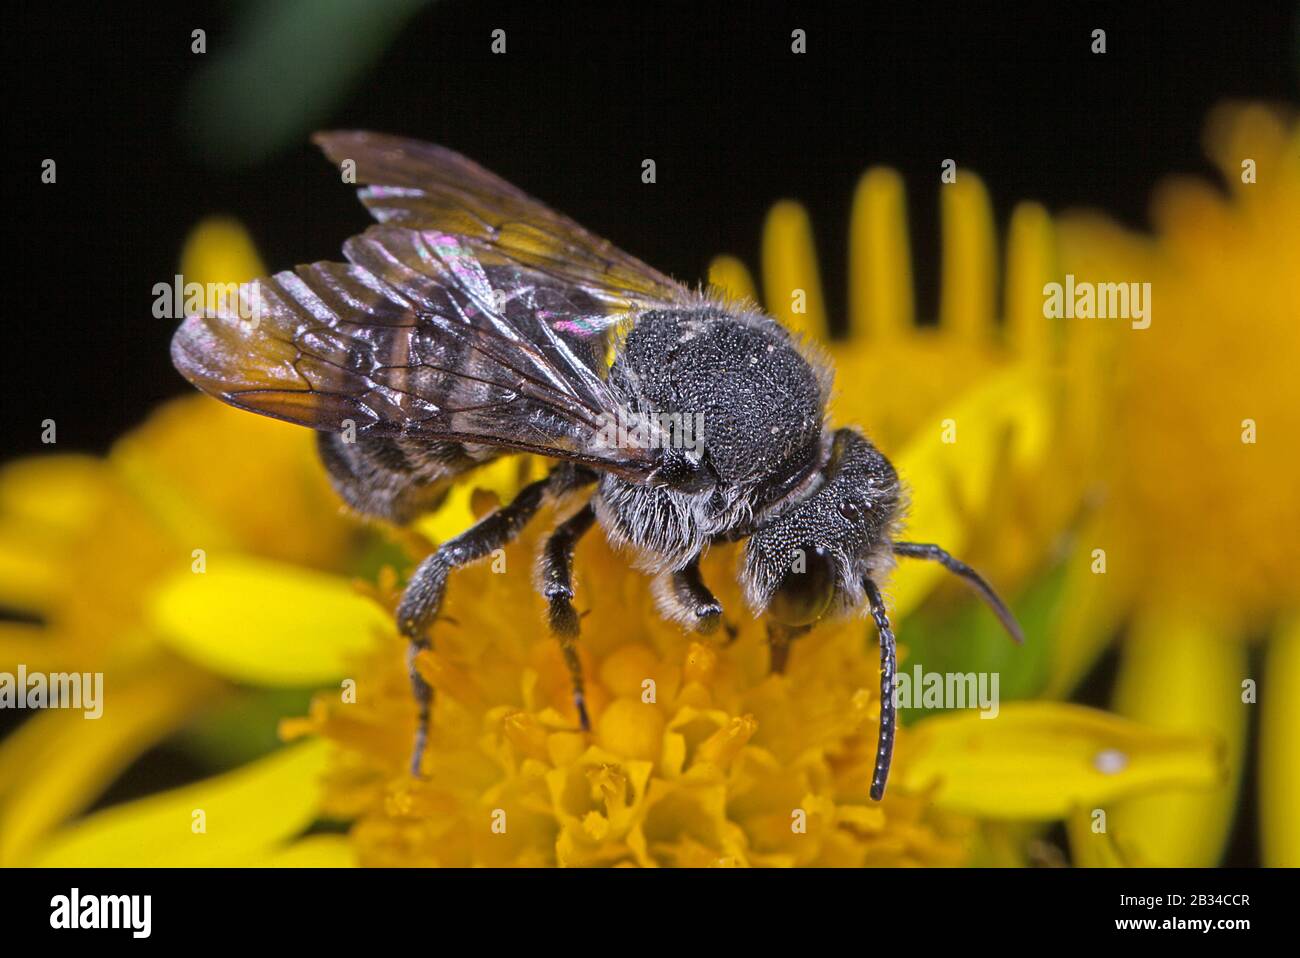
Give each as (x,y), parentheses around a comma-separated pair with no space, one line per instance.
(1197,468)
(698,754)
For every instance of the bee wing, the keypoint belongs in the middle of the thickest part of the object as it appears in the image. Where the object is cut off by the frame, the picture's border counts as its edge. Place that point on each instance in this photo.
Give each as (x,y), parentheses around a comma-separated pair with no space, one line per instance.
(426,187)
(415,337)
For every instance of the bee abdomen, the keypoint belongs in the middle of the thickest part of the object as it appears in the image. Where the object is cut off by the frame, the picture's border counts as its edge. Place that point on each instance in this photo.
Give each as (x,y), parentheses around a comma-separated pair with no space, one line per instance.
(395,479)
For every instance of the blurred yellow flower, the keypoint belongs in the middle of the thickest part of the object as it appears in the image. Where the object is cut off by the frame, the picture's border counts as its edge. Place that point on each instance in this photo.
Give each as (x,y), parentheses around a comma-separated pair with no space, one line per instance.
(92,542)
(1198,470)
(84,544)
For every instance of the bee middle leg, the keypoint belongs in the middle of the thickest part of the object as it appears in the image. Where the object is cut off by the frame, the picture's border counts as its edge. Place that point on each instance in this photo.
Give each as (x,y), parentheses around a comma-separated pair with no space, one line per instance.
(424,592)
(555,581)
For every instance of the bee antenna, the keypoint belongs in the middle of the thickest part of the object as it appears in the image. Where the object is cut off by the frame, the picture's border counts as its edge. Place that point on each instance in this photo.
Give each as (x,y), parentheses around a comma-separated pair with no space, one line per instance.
(920,550)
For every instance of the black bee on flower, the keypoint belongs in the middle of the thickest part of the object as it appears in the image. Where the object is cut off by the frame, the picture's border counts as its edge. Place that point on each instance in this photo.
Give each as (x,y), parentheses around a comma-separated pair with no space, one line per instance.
(473,322)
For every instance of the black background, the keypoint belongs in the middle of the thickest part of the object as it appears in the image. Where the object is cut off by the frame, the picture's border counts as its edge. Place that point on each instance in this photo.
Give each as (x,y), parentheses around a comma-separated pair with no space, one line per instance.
(1017,910)
(733,119)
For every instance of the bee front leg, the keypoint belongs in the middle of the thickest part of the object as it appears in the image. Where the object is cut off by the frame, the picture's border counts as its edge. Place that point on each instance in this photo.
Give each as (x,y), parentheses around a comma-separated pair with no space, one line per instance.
(698,607)
(555,581)
(888,666)
(779,637)
(423,595)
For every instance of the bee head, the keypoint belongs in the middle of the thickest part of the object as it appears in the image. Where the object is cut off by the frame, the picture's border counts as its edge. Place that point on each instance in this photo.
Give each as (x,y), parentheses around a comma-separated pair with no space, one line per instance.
(810,559)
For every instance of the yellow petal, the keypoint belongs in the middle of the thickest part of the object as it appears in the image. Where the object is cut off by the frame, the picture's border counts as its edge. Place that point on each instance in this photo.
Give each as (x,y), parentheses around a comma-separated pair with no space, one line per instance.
(232,819)
(29,580)
(1040,760)
(265,623)
(880,262)
(1094,845)
(1094,604)
(966,300)
(951,482)
(504,478)
(1031,263)
(219,250)
(314,851)
(58,762)
(45,503)
(790,278)
(58,493)
(34,646)
(1279,754)
(278,503)
(1089,246)
(731,276)
(1181,674)
(1234,131)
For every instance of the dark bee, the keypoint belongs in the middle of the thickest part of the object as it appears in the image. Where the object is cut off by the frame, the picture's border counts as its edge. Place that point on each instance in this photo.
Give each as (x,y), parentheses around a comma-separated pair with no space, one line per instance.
(473,322)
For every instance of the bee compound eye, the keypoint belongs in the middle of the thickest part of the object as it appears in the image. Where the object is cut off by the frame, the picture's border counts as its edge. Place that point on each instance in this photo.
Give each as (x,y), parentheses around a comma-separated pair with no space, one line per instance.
(806,589)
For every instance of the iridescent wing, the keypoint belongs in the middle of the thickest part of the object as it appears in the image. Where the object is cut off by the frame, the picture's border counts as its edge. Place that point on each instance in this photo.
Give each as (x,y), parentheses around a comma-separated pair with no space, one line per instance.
(495,335)
(426,187)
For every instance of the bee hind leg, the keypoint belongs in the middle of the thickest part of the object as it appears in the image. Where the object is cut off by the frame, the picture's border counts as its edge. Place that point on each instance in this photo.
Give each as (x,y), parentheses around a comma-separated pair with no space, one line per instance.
(423,595)
(555,581)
